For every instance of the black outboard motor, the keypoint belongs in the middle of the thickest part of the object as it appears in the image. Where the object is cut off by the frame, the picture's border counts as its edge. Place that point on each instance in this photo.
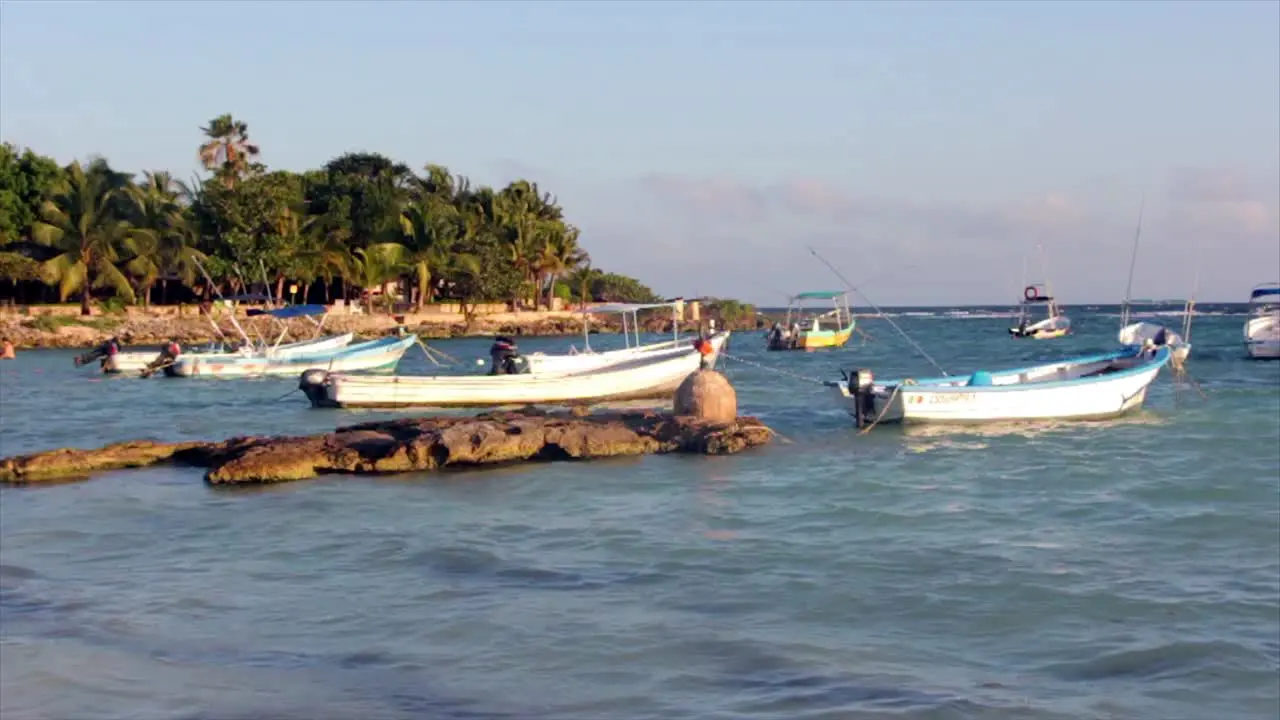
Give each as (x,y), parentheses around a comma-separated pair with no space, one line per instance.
(110,347)
(864,402)
(312,384)
(165,360)
(505,357)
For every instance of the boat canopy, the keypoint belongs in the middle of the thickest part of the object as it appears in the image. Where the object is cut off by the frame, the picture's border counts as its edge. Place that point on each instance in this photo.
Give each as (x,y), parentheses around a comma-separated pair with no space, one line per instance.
(819,295)
(293,311)
(630,307)
(1267,292)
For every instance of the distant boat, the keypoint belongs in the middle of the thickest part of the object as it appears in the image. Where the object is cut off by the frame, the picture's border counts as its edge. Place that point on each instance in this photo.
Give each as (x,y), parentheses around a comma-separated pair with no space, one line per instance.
(1146,333)
(831,329)
(1081,388)
(1055,325)
(1262,330)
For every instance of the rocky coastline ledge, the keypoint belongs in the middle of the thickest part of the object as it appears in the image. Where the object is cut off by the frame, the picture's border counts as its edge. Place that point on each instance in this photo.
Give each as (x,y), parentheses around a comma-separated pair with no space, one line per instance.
(47,330)
(405,445)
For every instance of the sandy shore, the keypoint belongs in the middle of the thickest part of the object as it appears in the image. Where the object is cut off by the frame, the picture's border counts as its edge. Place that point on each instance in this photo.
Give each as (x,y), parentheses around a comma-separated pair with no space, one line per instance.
(140,327)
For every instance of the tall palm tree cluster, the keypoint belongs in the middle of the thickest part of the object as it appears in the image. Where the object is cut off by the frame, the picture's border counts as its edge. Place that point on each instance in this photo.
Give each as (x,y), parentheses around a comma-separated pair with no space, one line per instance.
(356,228)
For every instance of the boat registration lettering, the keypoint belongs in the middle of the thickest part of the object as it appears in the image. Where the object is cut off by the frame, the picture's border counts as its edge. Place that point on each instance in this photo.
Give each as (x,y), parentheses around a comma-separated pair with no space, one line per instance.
(941,398)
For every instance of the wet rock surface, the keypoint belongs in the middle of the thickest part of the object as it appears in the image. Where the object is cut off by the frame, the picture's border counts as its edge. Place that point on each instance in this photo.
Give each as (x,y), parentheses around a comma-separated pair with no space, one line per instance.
(404,445)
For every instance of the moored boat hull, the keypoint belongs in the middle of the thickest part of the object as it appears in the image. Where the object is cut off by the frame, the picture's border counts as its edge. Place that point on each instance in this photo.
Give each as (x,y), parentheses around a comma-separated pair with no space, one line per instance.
(380,354)
(1262,337)
(1141,334)
(645,376)
(135,362)
(1088,388)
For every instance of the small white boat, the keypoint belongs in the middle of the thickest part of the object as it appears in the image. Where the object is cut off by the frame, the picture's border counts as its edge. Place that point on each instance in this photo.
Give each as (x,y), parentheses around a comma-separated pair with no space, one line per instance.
(115,362)
(381,354)
(1262,330)
(1082,388)
(1147,333)
(1056,325)
(136,362)
(644,375)
(541,363)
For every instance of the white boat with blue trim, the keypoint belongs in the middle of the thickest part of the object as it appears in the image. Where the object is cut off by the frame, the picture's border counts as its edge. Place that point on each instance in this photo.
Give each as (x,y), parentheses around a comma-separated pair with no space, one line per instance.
(1262,330)
(115,361)
(1082,388)
(381,354)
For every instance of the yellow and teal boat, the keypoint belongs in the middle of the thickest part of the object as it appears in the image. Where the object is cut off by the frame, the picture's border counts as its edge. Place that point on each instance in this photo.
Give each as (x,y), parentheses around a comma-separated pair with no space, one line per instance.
(805,330)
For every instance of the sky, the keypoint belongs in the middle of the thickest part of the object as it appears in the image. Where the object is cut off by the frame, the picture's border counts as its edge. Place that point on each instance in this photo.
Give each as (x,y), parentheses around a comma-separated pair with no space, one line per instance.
(929,150)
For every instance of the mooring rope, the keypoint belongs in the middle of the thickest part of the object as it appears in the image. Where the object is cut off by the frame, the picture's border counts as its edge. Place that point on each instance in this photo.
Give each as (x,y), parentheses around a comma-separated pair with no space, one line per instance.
(901,332)
(779,371)
(888,403)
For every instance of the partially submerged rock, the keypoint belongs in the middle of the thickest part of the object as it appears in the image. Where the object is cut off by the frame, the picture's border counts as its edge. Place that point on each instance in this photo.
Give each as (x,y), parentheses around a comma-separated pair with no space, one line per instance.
(407,445)
(707,395)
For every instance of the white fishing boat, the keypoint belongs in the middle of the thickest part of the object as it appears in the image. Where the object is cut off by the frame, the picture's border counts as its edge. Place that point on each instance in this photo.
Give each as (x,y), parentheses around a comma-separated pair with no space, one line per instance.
(1081,388)
(115,361)
(1142,333)
(1262,329)
(1055,325)
(381,354)
(139,361)
(1148,333)
(588,358)
(652,374)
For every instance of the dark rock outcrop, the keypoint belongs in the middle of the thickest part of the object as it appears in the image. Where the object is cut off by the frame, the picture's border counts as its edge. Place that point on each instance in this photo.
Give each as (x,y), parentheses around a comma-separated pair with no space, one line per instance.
(406,445)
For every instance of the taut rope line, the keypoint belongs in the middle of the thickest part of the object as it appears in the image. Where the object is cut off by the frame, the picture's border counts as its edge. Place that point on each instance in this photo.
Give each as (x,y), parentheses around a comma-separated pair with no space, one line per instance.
(849,285)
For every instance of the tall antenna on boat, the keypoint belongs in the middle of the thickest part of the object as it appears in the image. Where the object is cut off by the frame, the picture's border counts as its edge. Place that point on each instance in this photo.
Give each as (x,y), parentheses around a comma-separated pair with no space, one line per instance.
(1048,287)
(1022,304)
(1133,260)
(850,286)
(1191,302)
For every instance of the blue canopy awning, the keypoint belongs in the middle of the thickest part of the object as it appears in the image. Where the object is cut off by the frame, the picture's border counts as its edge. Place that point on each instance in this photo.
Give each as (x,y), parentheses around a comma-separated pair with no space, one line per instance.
(1268,291)
(294,311)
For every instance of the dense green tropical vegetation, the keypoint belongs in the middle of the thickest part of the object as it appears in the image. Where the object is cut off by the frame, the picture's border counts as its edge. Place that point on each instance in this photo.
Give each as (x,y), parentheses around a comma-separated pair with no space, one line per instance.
(351,229)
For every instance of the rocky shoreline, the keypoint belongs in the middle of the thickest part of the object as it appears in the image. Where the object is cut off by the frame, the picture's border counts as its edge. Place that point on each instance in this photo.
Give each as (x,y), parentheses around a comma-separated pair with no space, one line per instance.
(405,445)
(61,331)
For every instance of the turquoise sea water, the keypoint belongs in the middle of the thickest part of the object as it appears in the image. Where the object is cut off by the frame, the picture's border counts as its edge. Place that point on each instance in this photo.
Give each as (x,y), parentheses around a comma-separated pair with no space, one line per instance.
(1122,570)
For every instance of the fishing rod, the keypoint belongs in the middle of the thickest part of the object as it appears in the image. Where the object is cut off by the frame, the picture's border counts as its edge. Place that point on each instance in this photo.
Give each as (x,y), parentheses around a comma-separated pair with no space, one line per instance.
(214,287)
(1133,261)
(870,302)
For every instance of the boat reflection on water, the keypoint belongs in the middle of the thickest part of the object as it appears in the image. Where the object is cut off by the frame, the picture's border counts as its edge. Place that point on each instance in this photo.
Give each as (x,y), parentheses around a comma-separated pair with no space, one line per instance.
(922,438)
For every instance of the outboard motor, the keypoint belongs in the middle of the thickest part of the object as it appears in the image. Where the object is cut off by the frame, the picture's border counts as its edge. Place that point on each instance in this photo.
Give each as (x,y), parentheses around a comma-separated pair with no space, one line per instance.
(103,351)
(505,358)
(312,385)
(167,357)
(864,402)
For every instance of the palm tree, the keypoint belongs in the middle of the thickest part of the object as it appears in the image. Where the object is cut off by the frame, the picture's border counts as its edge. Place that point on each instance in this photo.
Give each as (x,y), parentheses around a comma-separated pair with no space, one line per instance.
(583,281)
(228,152)
(379,264)
(560,255)
(320,253)
(160,238)
(79,222)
